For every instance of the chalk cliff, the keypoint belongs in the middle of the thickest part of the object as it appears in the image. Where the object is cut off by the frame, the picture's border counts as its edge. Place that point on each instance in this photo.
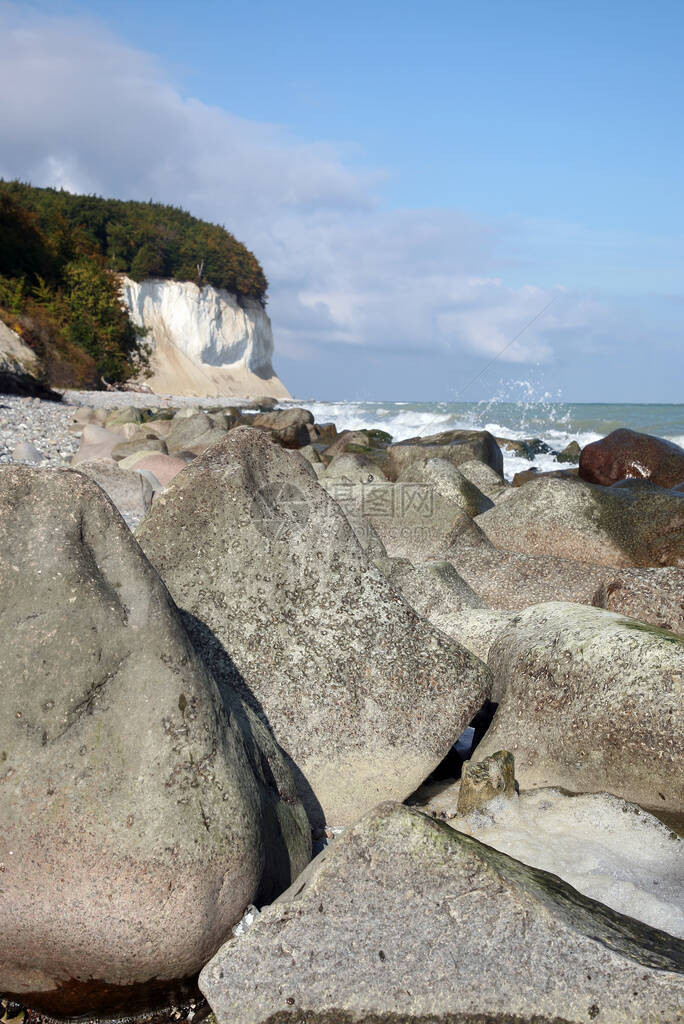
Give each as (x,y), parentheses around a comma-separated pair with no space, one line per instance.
(204,341)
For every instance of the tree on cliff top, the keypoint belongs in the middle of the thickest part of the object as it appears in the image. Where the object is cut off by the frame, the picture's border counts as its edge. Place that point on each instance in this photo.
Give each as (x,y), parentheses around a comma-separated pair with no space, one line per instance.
(59,257)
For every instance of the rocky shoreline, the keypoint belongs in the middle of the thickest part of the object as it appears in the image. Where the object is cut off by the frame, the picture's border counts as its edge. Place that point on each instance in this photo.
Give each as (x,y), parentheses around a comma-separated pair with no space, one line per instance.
(235,637)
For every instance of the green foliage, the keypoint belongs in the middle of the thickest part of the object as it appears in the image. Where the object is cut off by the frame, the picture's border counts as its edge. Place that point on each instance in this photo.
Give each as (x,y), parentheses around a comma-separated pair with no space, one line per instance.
(59,256)
(139,239)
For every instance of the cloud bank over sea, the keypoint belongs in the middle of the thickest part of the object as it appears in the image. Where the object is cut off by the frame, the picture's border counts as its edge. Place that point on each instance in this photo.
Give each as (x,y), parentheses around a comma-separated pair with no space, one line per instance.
(366,301)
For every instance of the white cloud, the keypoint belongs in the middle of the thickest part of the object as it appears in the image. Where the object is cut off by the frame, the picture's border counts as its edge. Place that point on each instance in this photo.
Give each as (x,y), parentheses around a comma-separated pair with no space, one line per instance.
(82,110)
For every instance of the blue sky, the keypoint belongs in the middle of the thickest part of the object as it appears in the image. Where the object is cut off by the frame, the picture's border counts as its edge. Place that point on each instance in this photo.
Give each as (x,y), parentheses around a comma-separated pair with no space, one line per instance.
(418,180)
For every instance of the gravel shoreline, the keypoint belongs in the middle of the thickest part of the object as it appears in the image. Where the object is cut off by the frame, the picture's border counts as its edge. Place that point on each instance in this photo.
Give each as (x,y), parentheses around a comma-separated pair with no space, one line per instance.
(46,424)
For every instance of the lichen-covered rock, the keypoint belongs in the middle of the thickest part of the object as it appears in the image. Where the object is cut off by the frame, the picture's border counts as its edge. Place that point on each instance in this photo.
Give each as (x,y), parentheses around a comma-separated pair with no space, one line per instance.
(457,446)
(655,596)
(403,919)
(447,480)
(353,469)
(628,453)
(364,696)
(587,523)
(139,814)
(486,479)
(510,580)
(590,701)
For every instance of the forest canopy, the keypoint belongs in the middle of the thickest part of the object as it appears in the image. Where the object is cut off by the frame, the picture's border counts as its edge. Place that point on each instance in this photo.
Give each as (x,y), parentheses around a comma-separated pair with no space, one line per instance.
(59,257)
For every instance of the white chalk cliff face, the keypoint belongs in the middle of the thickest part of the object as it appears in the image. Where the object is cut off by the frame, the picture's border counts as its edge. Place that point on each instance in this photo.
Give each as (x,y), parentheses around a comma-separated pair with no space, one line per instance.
(204,342)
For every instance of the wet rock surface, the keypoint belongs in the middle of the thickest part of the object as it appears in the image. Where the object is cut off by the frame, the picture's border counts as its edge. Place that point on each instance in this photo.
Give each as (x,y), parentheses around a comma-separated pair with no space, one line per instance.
(628,453)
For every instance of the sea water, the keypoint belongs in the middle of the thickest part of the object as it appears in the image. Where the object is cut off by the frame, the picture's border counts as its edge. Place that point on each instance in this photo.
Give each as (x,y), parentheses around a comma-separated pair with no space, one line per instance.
(555,422)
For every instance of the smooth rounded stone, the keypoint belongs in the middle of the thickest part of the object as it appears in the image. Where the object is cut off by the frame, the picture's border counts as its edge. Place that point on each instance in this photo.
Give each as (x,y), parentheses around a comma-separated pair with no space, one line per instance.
(353,469)
(128,430)
(590,701)
(486,479)
(86,414)
(628,453)
(96,443)
(139,444)
(404,919)
(412,520)
(287,427)
(457,446)
(27,452)
(282,418)
(587,523)
(448,481)
(188,412)
(129,491)
(607,848)
(94,434)
(279,596)
(139,816)
(164,467)
(527,476)
(571,453)
(323,433)
(650,595)
(356,441)
(160,428)
(205,441)
(186,430)
(120,417)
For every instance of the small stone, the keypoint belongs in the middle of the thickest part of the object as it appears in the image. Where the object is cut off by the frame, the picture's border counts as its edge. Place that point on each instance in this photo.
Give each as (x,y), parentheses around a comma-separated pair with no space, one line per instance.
(483,781)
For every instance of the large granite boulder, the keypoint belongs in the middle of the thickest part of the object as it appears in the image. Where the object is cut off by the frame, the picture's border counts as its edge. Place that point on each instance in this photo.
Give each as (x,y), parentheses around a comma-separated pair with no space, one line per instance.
(655,596)
(437,592)
(364,696)
(413,520)
(628,453)
(447,480)
(587,523)
(457,446)
(139,814)
(353,469)
(486,479)
(509,580)
(590,701)
(402,919)
(287,427)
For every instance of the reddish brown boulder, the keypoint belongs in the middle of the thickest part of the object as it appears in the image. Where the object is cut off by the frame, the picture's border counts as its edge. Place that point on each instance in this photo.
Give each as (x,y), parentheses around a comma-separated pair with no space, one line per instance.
(629,454)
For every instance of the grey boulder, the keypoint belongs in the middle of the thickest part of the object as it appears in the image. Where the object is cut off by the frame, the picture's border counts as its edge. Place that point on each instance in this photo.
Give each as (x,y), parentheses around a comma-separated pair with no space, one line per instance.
(588,523)
(129,491)
(590,701)
(139,814)
(457,446)
(403,919)
(447,480)
(363,695)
